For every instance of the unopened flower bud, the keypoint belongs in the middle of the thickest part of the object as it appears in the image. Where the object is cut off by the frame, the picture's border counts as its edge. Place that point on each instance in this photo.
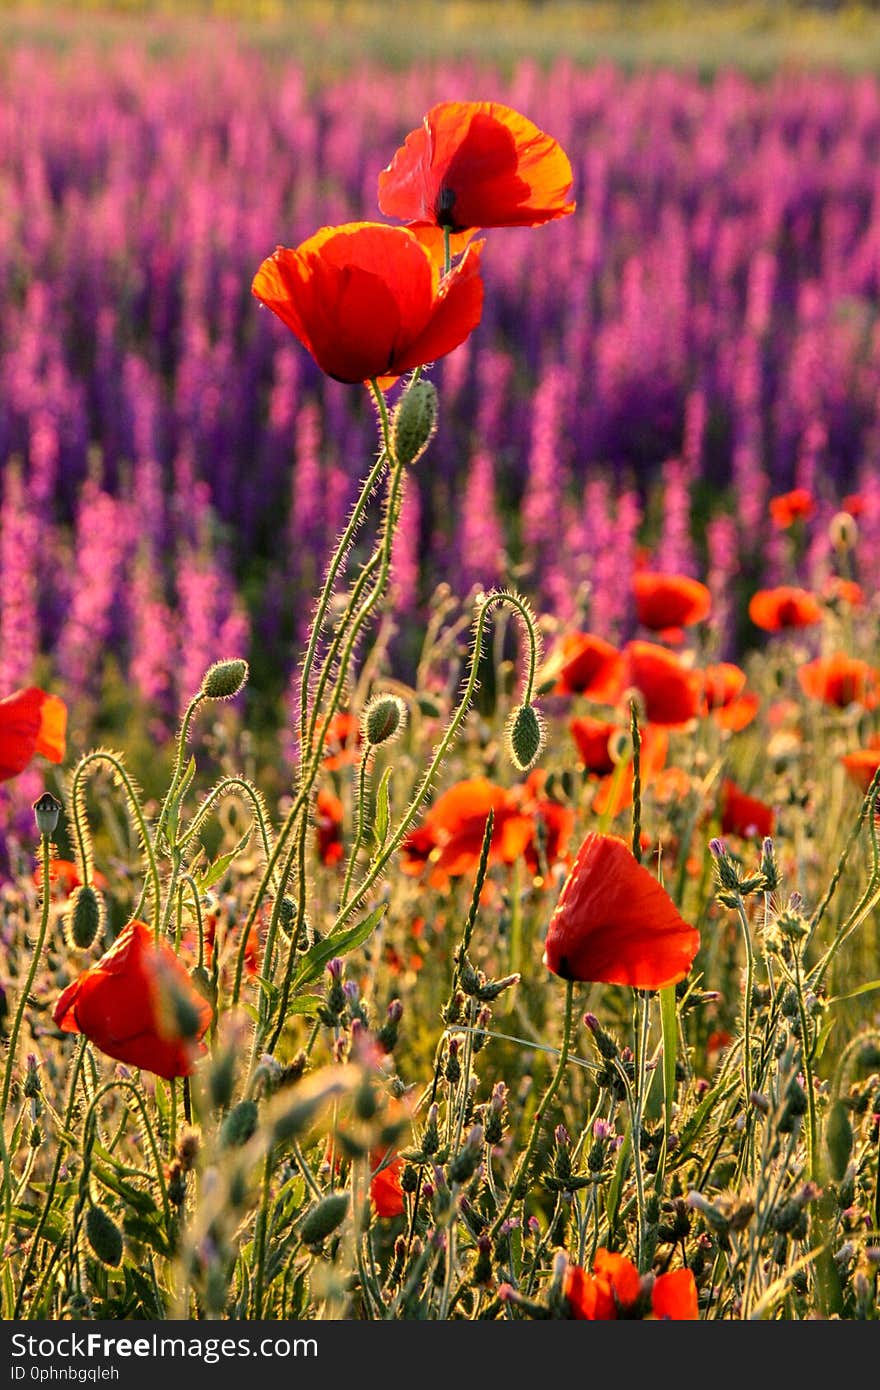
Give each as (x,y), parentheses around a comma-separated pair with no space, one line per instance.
(383,719)
(414,422)
(85,915)
(324,1218)
(525,736)
(224,679)
(239,1125)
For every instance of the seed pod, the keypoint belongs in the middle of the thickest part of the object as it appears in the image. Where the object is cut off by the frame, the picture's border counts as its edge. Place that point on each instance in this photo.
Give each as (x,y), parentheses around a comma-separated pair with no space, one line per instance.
(239,1125)
(414,422)
(104,1236)
(224,679)
(47,809)
(85,916)
(323,1218)
(525,736)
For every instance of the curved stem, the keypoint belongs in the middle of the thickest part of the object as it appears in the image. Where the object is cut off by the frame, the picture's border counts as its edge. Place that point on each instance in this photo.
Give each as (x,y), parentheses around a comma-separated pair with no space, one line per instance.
(78,816)
(12,1050)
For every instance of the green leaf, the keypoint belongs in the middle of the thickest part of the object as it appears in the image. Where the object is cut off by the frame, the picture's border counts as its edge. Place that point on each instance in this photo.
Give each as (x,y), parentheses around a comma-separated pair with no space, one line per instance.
(854,993)
(214,872)
(669,1022)
(338,943)
(305,1004)
(383,808)
(839,1139)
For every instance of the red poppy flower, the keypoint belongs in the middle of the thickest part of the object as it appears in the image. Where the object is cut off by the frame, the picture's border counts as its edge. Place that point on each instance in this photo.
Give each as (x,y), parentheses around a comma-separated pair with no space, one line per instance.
(775,610)
(669,600)
(130,1005)
(451,835)
(614,1287)
(585,665)
(744,815)
(844,591)
(725,698)
(477,164)
(30,722)
(614,793)
(593,739)
(839,680)
(551,821)
(386,1192)
(861,766)
(854,503)
(328,819)
(615,924)
(64,877)
(790,507)
(229,941)
(367,300)
(670,691)
(342,741)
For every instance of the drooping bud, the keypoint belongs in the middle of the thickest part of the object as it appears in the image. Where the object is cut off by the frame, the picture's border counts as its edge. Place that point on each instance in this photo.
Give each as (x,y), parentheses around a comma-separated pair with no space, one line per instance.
(104,1236)
(47,809)
(525,736)
(383,719)
(225,679)
(414,422)
(85,916)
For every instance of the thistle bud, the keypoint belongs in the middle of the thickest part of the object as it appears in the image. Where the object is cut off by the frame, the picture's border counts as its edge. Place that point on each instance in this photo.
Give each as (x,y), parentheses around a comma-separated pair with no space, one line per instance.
(323,1218)
(85,917)
(104,1236)
(414,422)
(224,679)
(525,736)
(47,809)
(383,719)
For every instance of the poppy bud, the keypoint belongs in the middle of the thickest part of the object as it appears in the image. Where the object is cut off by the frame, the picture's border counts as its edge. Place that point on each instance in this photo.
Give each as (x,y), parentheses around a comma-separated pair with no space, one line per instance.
(414,422)
(322,1219)
(47,809)
(384,719)
(525,736)
(84,917)
(224,679)
(104,1236)
(239,1125)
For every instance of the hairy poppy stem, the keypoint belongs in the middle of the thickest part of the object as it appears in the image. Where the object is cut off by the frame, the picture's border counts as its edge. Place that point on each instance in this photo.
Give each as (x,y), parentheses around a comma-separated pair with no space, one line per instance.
(78,818)
(522,1168)
(36,957)
(637,782)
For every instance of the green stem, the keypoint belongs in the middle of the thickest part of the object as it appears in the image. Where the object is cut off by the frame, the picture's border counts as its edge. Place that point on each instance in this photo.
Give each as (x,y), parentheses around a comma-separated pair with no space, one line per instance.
(36,957)
(360,824)
(78,818)
(522,1169)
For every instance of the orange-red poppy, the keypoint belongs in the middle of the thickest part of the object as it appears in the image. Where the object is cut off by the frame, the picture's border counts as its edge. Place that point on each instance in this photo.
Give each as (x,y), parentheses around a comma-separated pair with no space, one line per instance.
(556,823)
(386,1191)
(844,591)
(477,164)
(342,741)
(670,690)
(790,507)
(451,834)
(30,722)
(854,503)
(593,739)
(725,698)
(615,924)
(839,680)
(614,1289)
(328,820)
(138,1004)
(584,664)
(64,877)
(776,610)
(615,792)
(666,601)
(367,300)
(744,815)
(861,765)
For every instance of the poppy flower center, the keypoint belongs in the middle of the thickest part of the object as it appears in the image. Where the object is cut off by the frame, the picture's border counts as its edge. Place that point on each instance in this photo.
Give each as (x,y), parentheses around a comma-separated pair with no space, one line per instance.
(443,207)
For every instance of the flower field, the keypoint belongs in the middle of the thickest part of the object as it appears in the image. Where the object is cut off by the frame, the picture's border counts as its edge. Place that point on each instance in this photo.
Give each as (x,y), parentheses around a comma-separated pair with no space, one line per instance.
(439,688)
